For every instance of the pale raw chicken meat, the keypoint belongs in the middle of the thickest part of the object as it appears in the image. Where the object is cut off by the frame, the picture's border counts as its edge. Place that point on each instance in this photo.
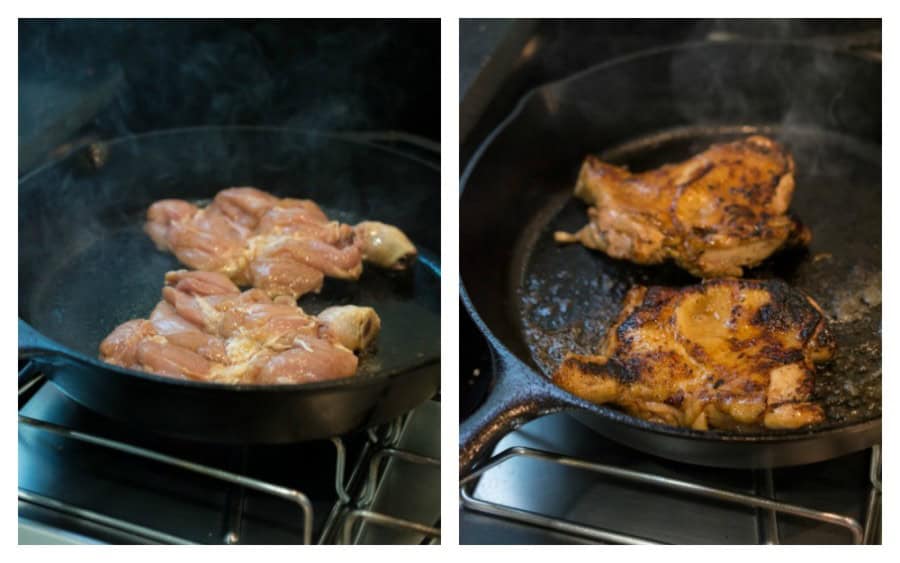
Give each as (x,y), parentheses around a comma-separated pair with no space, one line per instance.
(206,329)
(285,247)
(356,327)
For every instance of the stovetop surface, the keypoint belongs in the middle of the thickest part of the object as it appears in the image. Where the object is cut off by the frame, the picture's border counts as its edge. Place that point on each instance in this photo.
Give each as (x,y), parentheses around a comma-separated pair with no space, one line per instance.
(182,506)
(840,486)
(169,499)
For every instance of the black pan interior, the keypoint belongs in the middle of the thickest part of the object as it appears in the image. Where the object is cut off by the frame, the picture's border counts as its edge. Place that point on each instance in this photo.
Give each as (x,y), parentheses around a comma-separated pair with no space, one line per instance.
(568,295)
(85,264)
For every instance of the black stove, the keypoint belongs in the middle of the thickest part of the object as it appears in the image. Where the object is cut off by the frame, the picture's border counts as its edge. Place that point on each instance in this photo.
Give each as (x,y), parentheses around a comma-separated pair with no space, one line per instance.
(87,479)
(553,481)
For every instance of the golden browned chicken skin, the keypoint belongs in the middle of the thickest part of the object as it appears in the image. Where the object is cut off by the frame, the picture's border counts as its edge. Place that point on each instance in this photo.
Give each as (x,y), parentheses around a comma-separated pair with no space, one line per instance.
(731,354)
(206,329)
(714,214)
(285,247)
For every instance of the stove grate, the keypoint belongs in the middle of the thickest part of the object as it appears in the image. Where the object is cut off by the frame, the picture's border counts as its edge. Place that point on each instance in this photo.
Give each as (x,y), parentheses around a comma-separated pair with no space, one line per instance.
(858,533)
(347,513)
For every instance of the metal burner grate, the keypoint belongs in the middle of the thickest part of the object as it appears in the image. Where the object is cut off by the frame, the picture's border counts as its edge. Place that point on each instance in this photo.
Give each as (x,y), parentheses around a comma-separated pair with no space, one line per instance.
(769,507)
(361,516)
(349,514)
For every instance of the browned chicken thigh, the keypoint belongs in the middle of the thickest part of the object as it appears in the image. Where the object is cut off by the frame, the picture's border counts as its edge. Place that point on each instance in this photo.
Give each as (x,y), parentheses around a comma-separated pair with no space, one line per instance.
(714,214)
(285,247)
(206,329)
(734,354)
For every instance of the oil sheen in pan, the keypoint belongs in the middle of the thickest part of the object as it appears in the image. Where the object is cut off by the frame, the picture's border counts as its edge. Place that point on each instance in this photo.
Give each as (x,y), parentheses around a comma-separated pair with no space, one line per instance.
(408,302)
(568,295)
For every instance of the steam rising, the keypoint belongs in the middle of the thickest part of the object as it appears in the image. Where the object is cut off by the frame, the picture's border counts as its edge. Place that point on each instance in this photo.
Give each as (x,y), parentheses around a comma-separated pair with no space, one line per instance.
(766,78)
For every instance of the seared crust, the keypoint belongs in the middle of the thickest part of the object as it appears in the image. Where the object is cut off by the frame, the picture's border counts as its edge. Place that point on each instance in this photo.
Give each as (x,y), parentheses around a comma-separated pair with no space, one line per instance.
(714,214)
(725,353)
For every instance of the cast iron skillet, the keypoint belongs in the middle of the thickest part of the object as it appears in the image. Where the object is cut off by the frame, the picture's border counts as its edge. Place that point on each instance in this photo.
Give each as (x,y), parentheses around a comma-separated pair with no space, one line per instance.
(85,266)
(534,300)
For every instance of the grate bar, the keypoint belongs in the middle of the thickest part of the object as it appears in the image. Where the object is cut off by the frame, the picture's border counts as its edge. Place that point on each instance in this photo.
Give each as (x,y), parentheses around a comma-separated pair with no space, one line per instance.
(340,471)
(768,519)
(285,493)
(358,516)
(30,381)
(391,434)
(873,506)
(337,510)
(853,526)
(875,467)
(97,518)
(873,513)
(552,524)
(368,494)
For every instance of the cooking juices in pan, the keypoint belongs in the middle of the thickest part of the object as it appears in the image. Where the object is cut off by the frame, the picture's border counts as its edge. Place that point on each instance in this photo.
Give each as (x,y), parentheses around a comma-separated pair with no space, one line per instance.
(407,322)
(569,295)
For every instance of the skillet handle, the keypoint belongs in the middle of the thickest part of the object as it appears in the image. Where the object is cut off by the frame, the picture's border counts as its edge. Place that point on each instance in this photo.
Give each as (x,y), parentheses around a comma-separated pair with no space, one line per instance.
(28,373)
(518,396)
(33,344)
(34,350)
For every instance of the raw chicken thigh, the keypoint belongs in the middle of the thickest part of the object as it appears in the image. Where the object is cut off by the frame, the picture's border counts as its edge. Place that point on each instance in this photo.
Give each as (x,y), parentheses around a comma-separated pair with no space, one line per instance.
(206,329)
(285,247)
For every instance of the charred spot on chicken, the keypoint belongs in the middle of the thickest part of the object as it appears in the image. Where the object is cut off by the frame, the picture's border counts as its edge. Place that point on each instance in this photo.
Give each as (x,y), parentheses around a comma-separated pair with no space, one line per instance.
(731,354)
(714,214)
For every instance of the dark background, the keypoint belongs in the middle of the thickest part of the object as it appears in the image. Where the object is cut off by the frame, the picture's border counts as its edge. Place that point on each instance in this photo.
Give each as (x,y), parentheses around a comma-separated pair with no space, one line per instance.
(501,60)
(87,79)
